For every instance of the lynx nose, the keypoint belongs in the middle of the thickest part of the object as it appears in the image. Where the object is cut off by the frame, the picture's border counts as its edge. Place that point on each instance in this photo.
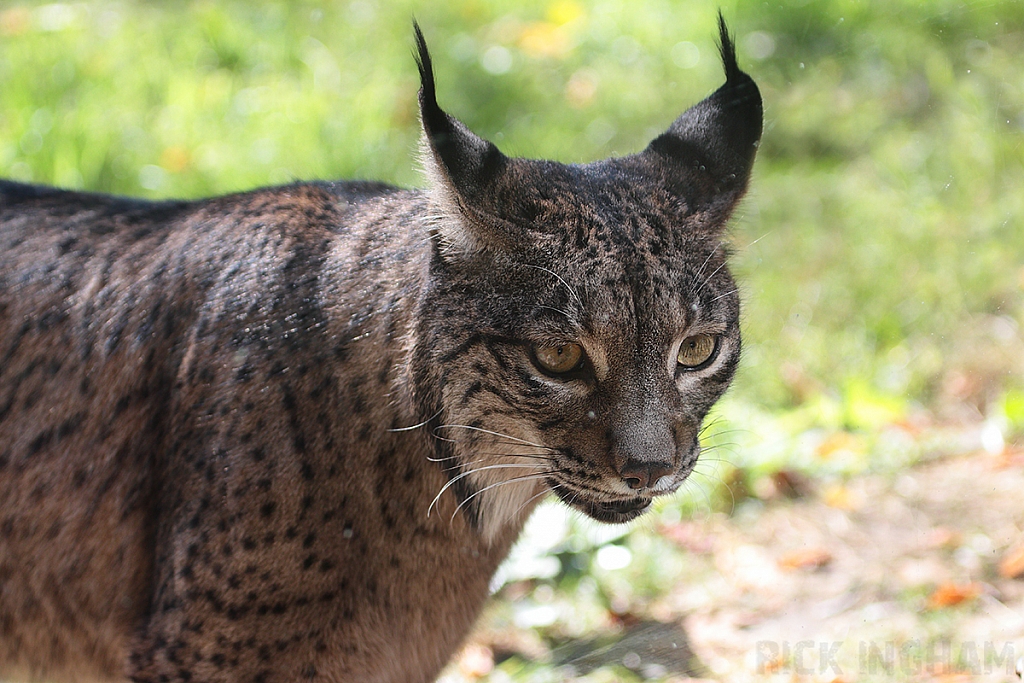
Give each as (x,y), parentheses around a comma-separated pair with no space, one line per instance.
(639,474)
(643,445)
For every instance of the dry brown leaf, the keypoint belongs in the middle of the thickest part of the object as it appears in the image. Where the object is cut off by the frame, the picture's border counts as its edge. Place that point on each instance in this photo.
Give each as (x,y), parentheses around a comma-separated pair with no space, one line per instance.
(792,484)
(783,484)
(949,594)
(807,558)
(1012,564)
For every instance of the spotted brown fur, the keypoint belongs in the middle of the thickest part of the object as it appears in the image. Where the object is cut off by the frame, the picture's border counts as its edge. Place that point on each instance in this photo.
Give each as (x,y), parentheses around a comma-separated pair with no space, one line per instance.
(289,434)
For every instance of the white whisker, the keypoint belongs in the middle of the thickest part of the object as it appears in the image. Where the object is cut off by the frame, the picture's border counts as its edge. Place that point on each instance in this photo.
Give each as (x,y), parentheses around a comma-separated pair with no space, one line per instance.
(416,426)
(532,498)
(708,278)
(496,442)
(700,271)
(502,454)
(705,494)
(487,431)
(557,310)
(717,479)
(758,239)
(528,477)
(465,474)
(535,456)
(567,285)
(722,296)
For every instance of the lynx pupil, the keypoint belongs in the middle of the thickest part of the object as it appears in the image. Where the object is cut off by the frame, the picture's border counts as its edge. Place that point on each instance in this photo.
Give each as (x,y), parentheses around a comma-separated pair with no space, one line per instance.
(559,359)
(696,350)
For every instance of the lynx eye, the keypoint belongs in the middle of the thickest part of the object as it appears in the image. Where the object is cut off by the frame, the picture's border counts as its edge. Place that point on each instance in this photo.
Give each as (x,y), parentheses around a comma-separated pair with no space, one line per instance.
(696,350)
(558,359)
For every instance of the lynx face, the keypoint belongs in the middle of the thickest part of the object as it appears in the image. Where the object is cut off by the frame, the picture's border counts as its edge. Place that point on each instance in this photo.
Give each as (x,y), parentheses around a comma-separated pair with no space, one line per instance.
(588,318)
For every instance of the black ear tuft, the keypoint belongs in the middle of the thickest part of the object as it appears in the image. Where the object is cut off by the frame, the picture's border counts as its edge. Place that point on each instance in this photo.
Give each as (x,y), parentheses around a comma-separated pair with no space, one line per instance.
(712,145)
(744,103)
(468,162)
(727,48)
(428,92)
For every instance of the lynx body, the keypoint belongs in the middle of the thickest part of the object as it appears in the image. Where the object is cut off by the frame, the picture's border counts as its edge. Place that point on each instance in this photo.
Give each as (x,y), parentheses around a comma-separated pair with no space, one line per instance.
(289,435)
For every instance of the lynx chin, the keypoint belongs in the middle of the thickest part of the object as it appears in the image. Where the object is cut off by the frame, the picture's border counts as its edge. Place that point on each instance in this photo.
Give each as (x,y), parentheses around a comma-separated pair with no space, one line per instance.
(289,435)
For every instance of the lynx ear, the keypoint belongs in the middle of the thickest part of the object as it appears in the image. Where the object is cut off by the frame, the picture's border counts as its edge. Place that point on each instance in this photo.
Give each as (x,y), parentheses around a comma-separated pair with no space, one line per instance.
(709,150)
(464,168)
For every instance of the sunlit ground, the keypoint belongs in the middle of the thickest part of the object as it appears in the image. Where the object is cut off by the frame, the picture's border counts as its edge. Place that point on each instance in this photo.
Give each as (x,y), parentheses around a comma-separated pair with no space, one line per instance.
(848,567)
(861,483)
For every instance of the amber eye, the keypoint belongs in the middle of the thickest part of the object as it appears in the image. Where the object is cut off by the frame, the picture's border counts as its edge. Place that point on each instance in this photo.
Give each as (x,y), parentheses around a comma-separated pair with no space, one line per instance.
(558,359)
(696,350)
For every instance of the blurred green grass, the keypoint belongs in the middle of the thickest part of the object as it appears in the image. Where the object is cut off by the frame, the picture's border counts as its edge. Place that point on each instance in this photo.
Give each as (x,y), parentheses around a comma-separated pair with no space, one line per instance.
(880,249)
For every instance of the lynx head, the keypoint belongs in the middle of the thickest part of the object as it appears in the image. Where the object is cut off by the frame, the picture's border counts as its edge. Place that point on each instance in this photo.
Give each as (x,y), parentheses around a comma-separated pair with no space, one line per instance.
(579,320)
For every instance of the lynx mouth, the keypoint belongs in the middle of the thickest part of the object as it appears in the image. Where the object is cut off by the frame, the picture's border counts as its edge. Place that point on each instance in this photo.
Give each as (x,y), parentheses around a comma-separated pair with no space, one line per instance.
(610,512)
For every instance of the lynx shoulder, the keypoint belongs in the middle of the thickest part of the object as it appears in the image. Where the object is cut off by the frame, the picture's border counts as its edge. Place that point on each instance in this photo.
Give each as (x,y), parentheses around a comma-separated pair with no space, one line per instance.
(290,434)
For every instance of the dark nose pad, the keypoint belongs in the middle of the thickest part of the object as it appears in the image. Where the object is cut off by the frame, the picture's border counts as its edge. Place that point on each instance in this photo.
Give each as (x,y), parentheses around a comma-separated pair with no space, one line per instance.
(643,445)
(639,474)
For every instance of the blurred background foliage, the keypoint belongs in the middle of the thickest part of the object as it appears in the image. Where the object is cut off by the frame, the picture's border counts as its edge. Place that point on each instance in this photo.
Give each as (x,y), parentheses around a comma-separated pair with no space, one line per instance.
(880,249)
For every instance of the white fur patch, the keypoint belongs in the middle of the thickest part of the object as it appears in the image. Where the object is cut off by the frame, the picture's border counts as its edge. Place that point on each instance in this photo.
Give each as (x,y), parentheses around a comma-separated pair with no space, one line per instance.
(506,474)
(445,218)
(508,495)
